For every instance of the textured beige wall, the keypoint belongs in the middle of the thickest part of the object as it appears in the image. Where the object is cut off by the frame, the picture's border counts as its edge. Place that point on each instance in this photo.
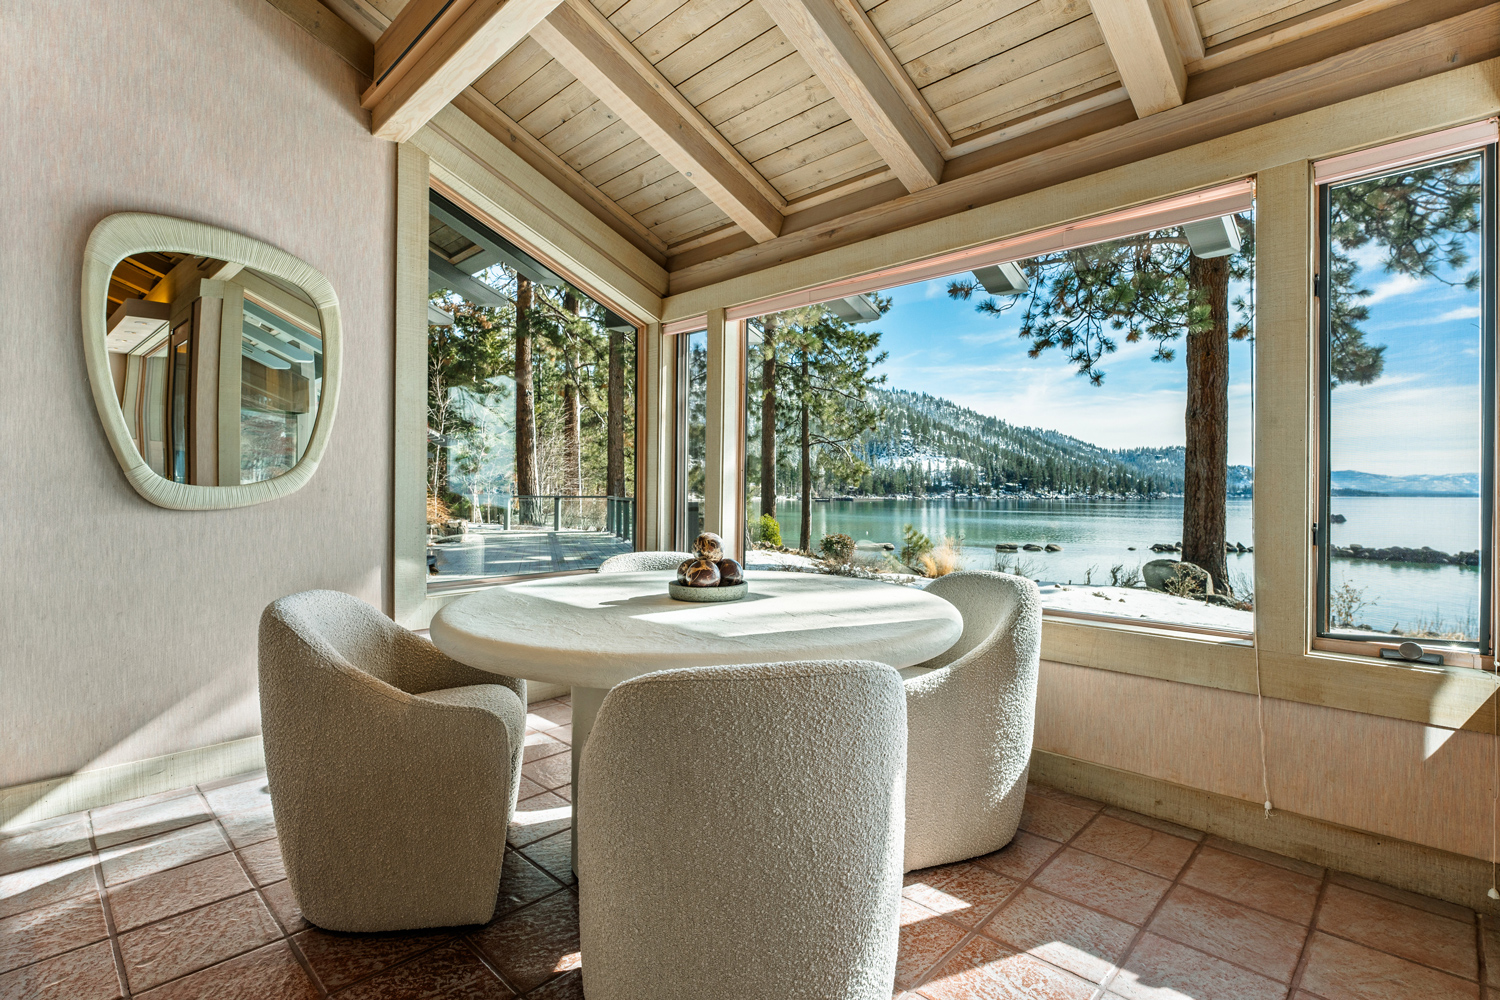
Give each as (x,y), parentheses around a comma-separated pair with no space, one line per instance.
(1420,783)
(128,630)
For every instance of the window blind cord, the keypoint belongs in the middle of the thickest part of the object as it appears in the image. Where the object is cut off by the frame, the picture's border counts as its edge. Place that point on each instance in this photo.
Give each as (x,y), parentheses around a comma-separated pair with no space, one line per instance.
(1260,711)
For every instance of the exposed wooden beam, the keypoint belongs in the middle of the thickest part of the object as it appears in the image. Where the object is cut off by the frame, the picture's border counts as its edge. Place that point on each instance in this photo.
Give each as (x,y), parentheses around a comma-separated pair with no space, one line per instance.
(1041,159)
(436,48)
(855,13)
(531,149)
(1294,30)
(644,101)
(1141,42)
(1185,27)
(833,49)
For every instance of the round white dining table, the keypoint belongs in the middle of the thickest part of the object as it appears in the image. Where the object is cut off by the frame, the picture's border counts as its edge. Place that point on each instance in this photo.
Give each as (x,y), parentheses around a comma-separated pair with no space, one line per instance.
(592,632)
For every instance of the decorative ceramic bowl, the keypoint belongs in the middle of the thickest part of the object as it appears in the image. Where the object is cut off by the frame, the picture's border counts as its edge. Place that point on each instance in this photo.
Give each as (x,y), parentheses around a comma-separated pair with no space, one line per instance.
(708,595)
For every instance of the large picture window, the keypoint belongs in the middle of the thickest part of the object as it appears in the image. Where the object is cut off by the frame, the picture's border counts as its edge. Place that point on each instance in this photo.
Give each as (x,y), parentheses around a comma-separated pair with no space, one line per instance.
(1407,378)
(530,413)
(1080,416)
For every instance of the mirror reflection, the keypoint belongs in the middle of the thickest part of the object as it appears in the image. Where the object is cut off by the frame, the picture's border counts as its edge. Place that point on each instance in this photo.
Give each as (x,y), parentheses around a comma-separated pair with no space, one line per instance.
(218,367)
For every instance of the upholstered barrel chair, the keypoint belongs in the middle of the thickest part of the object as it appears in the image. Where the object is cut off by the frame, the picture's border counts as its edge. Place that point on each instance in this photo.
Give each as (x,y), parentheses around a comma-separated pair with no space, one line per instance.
(643,562)
(393,769)
(970,713)
(740,834)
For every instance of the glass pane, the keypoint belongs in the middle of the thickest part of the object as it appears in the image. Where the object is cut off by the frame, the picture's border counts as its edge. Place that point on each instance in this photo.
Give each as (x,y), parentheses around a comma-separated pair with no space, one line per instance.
(695,429)
(1405,361)
(530,413)
(1081,418)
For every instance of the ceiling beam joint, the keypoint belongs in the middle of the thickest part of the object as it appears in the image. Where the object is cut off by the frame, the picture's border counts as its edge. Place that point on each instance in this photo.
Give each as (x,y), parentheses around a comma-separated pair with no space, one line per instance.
(1144,47)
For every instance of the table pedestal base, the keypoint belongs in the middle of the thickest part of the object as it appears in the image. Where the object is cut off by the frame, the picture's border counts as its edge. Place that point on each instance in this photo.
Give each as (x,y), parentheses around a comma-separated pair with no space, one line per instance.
(586,702)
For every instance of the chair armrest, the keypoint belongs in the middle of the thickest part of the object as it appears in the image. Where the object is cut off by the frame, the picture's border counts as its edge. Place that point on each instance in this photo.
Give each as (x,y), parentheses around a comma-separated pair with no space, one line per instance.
(425,668)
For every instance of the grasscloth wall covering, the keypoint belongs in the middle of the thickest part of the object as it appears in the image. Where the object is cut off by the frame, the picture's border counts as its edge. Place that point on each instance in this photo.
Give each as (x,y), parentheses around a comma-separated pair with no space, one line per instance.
(129,630)
(1402,779)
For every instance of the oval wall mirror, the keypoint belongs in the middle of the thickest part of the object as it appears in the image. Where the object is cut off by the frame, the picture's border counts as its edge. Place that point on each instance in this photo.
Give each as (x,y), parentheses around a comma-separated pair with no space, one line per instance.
(214,360)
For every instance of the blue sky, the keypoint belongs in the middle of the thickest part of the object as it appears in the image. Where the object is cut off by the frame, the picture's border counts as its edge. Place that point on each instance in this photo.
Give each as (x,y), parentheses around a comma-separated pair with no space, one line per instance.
(1419,417)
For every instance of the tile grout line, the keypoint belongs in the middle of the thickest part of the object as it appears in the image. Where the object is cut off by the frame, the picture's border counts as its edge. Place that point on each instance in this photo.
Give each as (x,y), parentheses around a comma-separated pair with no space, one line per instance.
(109,913)
(485,960)
(1140,934)
(1312,930)
(971,933)
(296,949)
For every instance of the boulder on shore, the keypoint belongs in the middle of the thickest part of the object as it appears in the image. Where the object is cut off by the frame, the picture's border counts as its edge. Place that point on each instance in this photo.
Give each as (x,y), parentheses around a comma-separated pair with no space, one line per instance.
(1157,572)
(1053,547)
(1032,547)
(1007,547)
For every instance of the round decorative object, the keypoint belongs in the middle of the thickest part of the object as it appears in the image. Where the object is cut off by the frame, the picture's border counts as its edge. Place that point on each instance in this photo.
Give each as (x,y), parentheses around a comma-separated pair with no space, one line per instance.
(730,573)
(708,546)
(708,595)
(682,571)
(699,573)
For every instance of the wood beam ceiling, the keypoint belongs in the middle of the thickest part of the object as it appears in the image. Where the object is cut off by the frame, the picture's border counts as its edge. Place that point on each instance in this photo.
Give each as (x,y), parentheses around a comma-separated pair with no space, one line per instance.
(833,49)
(594,52)
(1099,141)
(1144,47)
(436,48)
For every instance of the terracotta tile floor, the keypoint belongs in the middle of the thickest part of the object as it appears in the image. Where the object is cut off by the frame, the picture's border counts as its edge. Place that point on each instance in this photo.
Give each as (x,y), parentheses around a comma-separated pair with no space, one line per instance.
(182,895)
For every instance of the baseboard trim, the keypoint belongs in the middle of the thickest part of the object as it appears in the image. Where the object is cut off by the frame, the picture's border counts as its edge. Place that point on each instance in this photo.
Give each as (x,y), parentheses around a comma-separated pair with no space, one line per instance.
(39,800)
(1399,863)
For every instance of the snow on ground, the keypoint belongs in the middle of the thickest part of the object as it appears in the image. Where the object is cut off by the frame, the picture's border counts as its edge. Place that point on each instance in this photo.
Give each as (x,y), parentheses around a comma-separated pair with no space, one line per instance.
(771,559)
(1147,605)
(1119,602)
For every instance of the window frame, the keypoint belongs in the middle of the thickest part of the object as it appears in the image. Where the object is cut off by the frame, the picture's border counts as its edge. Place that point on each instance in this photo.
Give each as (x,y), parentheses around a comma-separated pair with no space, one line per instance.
(1480,653)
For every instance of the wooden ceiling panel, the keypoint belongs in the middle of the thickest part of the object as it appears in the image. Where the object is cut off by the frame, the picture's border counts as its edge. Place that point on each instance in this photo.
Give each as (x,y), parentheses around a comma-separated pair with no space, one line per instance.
(757,55)
(692,225)
(514,68)
(813,121)
(596,147)
(566,103)
(1016,63)
(1037,35)
(832,172)
(683,25)
(658,215)
(1088,95)
(727,38)
(627,157)
(780,162)
(1224,20)
(635,17)
(543,85)
(638,177)
(761,87)
(580,128)
(1079,73)
(909,39)
(642,202)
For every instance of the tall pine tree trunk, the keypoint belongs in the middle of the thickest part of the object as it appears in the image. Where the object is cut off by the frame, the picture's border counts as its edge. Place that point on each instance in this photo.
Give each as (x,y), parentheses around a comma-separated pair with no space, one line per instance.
(805,532)
(768,422)
(1205,465)
(526,472)
(572,418)
(614,463)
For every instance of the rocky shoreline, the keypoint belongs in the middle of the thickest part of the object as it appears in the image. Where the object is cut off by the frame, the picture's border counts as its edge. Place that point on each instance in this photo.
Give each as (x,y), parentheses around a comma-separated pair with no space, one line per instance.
(1424,556)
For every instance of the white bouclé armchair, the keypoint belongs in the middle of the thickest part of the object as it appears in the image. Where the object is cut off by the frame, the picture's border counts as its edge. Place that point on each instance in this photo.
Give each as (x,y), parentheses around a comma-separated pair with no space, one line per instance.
(393,769)
(970,713)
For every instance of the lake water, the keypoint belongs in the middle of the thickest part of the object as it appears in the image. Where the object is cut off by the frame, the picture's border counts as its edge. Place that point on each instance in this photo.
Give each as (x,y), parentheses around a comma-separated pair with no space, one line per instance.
(1098,534)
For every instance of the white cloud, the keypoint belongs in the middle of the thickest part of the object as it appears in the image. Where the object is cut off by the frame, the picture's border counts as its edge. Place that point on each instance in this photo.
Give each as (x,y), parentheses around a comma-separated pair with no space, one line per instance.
(1462,312)
(1400,284)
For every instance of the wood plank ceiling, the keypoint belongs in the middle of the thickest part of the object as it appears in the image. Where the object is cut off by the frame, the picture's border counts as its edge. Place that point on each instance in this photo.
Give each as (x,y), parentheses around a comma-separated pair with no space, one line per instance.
(718,134)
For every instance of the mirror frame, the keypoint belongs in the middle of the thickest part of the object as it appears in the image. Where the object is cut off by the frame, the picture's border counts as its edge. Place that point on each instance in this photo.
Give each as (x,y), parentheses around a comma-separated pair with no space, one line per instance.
(126,233)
